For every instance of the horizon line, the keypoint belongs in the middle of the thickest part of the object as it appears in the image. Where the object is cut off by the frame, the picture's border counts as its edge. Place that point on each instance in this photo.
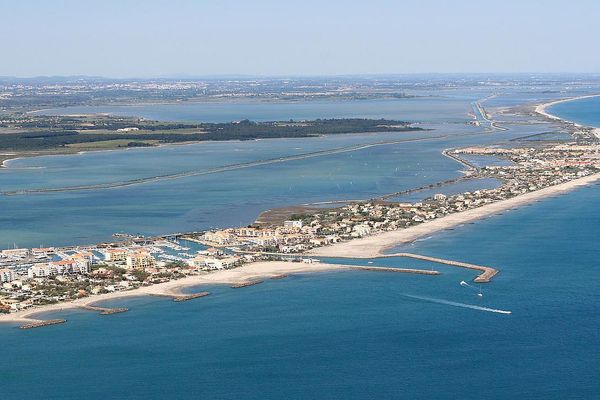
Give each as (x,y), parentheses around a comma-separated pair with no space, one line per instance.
(293,76)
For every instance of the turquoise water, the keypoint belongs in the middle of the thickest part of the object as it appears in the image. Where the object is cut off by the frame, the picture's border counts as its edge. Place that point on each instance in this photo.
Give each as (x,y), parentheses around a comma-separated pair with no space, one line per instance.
(352,334)
(583,111)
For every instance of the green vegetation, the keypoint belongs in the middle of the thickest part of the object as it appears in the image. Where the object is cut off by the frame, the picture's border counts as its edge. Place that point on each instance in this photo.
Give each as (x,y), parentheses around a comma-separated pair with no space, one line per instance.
(41,133)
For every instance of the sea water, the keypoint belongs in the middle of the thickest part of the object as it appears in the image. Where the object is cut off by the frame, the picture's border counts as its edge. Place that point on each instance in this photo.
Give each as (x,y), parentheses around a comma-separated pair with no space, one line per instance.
(345,334)
(353,334)
(584,111)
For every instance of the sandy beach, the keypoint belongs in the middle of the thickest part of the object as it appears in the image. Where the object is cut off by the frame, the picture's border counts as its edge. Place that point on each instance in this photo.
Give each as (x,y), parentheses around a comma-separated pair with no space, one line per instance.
(541,108)
(245,273)
(376,245)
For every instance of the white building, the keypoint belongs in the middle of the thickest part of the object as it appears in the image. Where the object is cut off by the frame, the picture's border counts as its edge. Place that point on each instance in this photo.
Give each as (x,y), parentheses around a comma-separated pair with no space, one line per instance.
(361,230)
(292,224)
(139,260)
(19,253)
(62,267)
(7,275)
(115,255)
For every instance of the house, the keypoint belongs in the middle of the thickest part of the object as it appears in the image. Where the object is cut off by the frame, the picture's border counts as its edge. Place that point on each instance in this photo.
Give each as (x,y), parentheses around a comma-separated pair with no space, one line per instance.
(292,224)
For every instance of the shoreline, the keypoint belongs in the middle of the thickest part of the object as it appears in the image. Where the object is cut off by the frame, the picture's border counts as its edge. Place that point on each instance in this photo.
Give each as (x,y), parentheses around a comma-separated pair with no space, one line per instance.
(541,109)
(377,245)
(243,274)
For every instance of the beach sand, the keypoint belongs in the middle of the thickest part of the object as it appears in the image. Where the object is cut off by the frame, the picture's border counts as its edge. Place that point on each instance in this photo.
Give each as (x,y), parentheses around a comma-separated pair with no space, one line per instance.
(541,108)
(245,273)
(376,245)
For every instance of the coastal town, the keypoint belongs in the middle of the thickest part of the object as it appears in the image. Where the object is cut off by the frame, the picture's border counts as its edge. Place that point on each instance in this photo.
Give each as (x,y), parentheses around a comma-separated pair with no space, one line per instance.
(35,277)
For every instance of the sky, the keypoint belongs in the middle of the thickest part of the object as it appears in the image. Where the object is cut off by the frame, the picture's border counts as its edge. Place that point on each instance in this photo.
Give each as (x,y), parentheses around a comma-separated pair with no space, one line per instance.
(156,38)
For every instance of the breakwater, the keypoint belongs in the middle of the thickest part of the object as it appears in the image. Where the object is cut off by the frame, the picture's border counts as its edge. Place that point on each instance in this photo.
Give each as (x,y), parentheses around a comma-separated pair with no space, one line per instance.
(105,310)
(186,297)
(392,269)
(245,284)
(39,324)
(487,273)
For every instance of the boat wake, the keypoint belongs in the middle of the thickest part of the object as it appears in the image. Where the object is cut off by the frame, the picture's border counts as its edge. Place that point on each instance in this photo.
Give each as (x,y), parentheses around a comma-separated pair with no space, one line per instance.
(456,304)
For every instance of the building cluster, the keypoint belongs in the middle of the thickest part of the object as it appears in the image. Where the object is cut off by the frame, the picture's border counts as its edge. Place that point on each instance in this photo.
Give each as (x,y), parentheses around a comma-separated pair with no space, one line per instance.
(30,277)
(291,237)
(529,169)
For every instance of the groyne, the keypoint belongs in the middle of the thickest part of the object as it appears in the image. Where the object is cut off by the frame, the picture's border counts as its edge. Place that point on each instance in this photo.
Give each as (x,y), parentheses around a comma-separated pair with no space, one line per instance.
(245,284)
(104,310)
(180,297)
(186,297)
(39,323)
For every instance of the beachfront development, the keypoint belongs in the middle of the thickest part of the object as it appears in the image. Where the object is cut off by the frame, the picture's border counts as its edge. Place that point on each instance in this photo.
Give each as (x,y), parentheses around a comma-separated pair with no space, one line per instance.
(294,239)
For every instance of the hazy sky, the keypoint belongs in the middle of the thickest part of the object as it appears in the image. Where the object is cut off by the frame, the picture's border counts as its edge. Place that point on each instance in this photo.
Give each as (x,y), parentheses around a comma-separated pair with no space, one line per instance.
(124,38)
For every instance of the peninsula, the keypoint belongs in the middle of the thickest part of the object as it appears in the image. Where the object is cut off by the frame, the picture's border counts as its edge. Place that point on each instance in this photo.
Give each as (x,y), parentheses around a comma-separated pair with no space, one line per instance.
(51,279)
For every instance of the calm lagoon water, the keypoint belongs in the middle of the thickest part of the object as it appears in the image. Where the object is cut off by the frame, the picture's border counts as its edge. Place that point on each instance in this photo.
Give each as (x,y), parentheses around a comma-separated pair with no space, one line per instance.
(233,197)
(218,199)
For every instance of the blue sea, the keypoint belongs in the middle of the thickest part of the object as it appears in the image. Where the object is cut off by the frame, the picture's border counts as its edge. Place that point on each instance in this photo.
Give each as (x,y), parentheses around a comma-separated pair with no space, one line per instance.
(352,335)
(338,335)
(583,111)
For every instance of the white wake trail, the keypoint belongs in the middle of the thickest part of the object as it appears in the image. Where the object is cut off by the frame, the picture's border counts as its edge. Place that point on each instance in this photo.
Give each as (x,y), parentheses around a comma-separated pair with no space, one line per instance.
(455,304)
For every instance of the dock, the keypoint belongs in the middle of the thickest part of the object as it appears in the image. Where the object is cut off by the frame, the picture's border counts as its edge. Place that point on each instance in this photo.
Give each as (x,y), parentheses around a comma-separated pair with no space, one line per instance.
(40,323)
(245,284)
